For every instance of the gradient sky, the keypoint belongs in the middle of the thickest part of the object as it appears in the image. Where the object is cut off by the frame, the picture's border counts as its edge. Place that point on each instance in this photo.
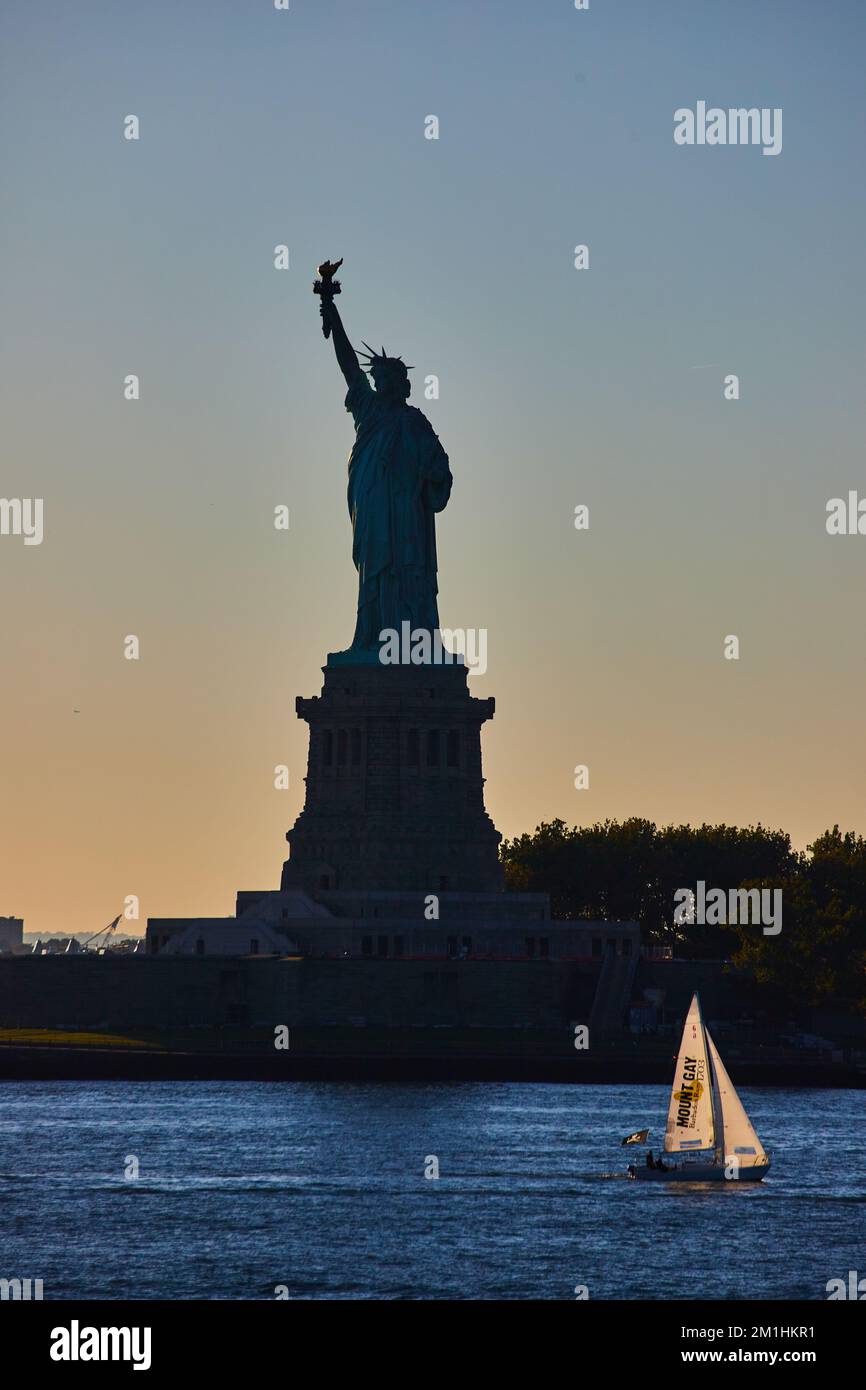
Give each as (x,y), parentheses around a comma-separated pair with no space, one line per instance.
(558,387)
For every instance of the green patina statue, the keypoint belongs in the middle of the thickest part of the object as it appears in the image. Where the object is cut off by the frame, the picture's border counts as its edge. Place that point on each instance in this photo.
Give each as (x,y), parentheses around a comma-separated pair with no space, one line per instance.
(398,479)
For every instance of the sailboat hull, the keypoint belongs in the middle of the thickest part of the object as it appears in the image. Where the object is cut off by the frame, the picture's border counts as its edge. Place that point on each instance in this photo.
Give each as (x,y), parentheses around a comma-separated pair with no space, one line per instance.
(697,1172)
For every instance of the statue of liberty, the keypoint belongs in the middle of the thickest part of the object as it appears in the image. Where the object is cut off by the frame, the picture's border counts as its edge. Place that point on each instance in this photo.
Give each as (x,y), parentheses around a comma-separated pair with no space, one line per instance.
(398,479)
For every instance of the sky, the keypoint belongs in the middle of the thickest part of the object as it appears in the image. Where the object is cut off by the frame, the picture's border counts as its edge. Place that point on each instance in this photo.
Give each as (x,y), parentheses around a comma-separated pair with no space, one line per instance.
(558,387)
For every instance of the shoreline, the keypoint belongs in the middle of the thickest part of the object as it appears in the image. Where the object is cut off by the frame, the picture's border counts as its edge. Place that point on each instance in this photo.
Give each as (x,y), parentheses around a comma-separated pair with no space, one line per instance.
(56,1063)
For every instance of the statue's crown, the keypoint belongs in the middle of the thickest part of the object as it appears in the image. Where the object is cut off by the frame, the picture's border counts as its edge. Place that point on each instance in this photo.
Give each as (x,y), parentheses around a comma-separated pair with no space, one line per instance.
(381,359)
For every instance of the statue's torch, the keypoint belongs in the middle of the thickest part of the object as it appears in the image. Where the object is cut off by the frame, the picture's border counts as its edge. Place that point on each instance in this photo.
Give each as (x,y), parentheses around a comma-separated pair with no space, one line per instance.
(327,287)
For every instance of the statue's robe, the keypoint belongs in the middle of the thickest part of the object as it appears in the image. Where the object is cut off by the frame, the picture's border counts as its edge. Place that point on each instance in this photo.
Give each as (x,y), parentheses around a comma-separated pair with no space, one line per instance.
(398,478)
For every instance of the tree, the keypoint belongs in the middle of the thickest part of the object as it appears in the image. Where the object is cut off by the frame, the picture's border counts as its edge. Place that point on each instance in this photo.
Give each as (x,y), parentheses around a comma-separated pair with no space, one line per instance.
(819,957)
(630,870)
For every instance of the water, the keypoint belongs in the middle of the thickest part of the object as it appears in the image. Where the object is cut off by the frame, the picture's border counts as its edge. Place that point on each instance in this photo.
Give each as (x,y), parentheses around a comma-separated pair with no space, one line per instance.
(321,1188)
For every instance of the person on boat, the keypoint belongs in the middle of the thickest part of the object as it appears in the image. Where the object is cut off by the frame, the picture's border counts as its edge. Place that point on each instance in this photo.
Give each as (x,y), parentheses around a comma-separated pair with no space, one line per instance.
(661,1165)
(650,1161)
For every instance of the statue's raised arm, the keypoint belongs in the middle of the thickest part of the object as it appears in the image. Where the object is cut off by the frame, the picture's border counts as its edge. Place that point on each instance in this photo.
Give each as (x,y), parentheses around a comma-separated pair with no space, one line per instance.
(347,358)
(332,325)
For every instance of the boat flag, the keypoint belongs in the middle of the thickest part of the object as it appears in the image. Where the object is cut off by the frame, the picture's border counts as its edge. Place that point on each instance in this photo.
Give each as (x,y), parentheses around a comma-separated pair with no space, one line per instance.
(640,1136)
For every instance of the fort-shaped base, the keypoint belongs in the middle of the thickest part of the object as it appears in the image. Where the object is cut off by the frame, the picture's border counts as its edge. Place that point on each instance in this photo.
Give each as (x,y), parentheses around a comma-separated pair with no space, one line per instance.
(395,792)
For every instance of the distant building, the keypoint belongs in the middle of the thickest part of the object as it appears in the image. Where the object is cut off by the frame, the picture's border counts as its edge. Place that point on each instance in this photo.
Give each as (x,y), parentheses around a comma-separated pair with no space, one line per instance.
(393,925)
(11,936)
(225,936)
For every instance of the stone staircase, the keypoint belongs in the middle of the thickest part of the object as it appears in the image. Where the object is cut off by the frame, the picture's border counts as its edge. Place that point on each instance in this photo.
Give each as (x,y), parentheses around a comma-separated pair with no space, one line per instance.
(612,995)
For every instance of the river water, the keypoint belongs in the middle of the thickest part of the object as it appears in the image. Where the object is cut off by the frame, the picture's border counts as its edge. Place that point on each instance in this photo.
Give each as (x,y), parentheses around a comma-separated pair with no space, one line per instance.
(319,1191)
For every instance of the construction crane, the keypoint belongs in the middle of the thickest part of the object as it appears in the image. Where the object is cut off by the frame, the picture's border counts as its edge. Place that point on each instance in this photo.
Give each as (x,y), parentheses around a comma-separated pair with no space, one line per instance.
(105,932)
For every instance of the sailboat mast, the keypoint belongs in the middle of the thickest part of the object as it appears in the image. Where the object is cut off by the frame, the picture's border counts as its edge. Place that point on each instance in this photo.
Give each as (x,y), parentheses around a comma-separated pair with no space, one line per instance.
(718,1129)
(718,1118)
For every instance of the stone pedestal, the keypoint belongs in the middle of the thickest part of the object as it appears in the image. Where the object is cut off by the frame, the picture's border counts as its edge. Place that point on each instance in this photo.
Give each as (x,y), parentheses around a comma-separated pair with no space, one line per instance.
(395,792)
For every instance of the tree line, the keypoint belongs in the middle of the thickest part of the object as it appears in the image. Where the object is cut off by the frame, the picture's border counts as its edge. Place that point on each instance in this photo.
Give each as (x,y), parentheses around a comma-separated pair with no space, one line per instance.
(630,870)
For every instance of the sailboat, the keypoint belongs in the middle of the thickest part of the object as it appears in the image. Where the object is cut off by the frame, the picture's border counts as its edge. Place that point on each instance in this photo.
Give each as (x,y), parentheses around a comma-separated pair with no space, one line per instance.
(709,1137)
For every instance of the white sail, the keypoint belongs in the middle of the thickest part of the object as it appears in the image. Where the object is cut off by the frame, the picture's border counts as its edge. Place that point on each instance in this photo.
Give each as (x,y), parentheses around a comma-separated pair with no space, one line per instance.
(738,1136)
(690,1115)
